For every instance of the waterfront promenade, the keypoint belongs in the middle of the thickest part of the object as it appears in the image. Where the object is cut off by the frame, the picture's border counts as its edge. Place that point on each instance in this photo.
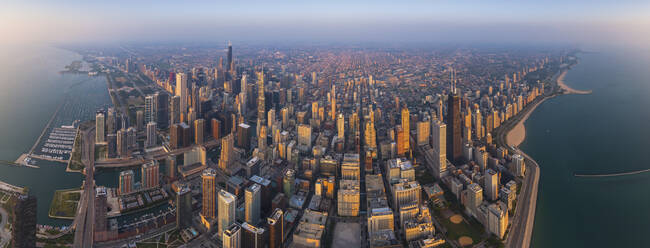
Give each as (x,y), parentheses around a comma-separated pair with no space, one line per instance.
(510,135)
(522,222)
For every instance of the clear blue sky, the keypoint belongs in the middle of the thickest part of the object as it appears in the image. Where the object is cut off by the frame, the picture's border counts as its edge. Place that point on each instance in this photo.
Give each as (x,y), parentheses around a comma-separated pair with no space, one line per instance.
(433,20)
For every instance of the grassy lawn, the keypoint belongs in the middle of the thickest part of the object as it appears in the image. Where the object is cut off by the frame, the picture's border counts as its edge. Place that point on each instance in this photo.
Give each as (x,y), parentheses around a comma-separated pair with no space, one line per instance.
(465,228)
(9,206)
(75,163)
(63,241)
(64,203)
(468,227)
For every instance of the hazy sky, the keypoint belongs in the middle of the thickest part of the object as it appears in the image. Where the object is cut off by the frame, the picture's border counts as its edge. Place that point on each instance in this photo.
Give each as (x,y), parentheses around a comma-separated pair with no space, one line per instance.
(579,21)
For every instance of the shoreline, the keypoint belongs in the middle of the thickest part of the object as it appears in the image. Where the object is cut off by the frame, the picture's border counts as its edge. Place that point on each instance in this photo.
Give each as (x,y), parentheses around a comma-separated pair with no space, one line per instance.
(520,233)
(568,90)
(517,135)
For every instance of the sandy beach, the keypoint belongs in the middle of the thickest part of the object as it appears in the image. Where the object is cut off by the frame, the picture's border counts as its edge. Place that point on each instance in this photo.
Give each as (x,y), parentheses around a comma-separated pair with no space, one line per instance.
(567,89)
(518,133)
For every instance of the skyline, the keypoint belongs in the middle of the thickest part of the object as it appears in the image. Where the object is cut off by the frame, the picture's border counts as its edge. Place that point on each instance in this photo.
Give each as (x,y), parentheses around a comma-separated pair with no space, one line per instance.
(368,124)
(589,23)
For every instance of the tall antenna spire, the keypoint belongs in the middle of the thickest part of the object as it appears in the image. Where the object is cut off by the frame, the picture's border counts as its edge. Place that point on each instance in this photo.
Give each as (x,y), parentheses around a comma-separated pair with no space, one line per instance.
(452,75)
(455,82)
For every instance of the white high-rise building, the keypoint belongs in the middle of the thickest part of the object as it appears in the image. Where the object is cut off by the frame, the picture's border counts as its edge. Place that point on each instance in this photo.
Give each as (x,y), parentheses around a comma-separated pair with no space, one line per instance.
(100,123)
(518,166)
(181,90)
(150,108)
(253,203)
(497,219)
(439,146)
(475,196)
(227,205)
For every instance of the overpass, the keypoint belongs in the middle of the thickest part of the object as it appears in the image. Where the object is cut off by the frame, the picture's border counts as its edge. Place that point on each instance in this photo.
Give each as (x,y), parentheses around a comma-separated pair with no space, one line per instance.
(85,219)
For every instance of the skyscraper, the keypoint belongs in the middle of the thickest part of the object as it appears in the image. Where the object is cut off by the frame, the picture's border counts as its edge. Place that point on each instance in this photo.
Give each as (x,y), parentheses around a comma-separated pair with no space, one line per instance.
(232,236)
(288,182)
(261,101)
(225,160)
(209,177)
(150,109)
(253,198)
(275,224)
(243,95)
(423,132)
(439,146)
(100,214)
(199,128)
(150,174)
(406,125)
(216,128)
(139,120)
(181,90)
(175,116)
(252,236)
(100,124)
(162,108)
(122,143)
(401,137)
(24,222)
(110,121)
(230,62)
(151,134)
(454,130)
(261,139)
(304,135)
(227,205)
(340,127)
(183,206)
(126,182)
(491,184)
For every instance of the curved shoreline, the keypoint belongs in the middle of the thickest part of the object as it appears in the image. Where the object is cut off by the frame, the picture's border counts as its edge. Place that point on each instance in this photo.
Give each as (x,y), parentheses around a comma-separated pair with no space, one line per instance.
(566,88)
(520,234)
(517,134)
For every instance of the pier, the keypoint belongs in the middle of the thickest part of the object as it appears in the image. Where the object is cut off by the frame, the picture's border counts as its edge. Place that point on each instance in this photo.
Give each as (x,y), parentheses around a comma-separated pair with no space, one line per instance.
(612,174)
(46,127)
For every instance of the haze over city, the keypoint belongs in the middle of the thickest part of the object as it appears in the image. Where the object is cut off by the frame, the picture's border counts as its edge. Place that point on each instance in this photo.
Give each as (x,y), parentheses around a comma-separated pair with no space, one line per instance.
(309,124)
(591,22)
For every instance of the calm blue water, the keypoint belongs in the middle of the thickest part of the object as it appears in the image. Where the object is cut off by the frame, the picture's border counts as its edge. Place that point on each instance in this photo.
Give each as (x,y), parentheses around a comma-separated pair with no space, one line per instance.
(606,131)
(30,91)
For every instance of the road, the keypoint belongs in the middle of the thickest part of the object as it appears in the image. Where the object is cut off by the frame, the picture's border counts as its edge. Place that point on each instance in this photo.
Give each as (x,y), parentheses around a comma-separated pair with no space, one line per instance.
(117,163)
(521,228)
(85,218)
(524,218)
(5,236)
(139,238)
